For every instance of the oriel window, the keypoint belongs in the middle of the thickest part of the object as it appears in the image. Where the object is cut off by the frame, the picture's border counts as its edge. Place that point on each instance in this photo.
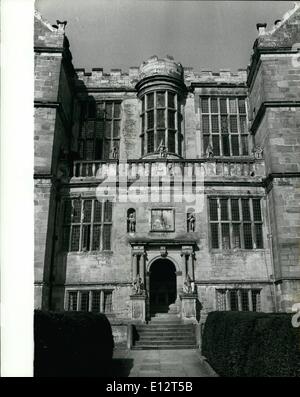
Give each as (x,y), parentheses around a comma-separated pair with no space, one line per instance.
(161,122)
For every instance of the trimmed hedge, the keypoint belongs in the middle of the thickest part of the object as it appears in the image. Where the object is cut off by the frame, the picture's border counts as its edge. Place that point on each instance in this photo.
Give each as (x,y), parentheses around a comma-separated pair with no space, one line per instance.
(72,344)
(251,344)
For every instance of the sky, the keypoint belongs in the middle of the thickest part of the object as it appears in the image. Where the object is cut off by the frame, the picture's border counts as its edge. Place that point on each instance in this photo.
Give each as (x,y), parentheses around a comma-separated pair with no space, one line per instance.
(205,35)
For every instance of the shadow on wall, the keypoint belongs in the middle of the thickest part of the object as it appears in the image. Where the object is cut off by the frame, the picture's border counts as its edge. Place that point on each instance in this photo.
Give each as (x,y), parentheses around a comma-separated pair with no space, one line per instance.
(121,367)
(198,310)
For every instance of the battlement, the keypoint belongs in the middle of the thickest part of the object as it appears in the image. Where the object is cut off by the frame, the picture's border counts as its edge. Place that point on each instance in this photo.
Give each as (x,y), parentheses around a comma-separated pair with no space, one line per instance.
(115,78)
(223,76)
(118,78)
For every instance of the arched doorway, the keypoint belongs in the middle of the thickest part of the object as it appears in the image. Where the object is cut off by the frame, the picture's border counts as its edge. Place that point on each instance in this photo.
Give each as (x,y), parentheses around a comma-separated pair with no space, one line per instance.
(162,289)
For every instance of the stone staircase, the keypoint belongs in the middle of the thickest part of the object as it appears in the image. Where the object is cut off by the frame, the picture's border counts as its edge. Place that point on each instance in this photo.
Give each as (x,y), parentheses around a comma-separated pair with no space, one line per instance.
(164,331)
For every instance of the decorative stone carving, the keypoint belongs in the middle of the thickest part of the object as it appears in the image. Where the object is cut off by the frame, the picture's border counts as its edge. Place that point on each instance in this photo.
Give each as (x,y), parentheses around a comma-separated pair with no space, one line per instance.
(258,152)
(162,150)
(186,250)
(209,151)
(138,309)
(138,287)
(61,25)
(115,153)
(189,285)
(163,252)
(131,222)
(191,222)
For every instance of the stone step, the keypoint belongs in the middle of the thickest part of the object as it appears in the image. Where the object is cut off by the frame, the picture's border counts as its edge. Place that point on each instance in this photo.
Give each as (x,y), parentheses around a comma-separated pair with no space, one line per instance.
(169,318)
(165,321)
(165,338)
(164,347)
(165,333)
(164,326)
(151,334)
(165,342)
(170,313)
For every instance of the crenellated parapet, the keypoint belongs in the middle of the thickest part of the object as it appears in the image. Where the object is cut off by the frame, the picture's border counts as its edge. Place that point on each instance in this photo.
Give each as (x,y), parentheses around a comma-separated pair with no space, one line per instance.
(97,77)
(224,76)
(154,69)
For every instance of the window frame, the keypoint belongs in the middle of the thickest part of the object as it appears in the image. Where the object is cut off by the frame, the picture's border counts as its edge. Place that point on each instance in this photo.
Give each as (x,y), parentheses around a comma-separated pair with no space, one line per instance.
(252,293)
(81,223)
(100,115)
(218,137)
(80,291)
(241,222)
(156,129)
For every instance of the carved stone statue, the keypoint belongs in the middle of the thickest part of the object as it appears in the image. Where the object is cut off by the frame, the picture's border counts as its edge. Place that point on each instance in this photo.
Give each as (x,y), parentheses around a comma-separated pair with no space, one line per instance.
(258,152)
(209,151)
(138,287)
(188,285)
(115,153)
(191,222)
(131,222)
(162,150)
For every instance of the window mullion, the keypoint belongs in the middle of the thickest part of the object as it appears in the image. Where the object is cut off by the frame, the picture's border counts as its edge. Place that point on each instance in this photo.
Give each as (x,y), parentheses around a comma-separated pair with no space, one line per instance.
(228,306)
(228,123)
(155,121)
(146,124)
(230,223)
(101,227)
(176,123)
(220,241)
(90,301)
(239,128)
(220,126)
(92,226)
(209,121)
(242,224)
(112,143)
(253,231)
(239,298)
(71,228)
(78,300)
(81,227)
(250,300)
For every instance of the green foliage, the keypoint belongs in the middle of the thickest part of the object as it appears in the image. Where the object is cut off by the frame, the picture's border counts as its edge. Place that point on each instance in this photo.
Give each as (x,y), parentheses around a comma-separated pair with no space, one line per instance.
(251,344)
(72,344)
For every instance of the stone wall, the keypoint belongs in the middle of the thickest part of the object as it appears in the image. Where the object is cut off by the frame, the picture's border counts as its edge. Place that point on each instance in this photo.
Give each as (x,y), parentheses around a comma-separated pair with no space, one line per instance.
(52,118)
(275,91)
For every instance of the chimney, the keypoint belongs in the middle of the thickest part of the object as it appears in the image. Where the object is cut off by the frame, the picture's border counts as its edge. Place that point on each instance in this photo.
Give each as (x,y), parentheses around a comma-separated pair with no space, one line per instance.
(261,27)
(61,25)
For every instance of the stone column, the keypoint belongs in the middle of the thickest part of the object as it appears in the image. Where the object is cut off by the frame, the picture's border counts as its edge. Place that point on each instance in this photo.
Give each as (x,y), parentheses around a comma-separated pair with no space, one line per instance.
(183,267)
(142,268)
(190,266)
(134,266)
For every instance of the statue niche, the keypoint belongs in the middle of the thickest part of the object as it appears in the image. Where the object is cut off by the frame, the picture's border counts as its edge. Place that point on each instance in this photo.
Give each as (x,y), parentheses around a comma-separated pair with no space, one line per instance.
(191,220)
(131,220)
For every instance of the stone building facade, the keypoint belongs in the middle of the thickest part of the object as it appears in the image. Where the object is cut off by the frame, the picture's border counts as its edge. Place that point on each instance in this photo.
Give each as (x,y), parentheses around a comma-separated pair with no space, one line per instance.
(163,189)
